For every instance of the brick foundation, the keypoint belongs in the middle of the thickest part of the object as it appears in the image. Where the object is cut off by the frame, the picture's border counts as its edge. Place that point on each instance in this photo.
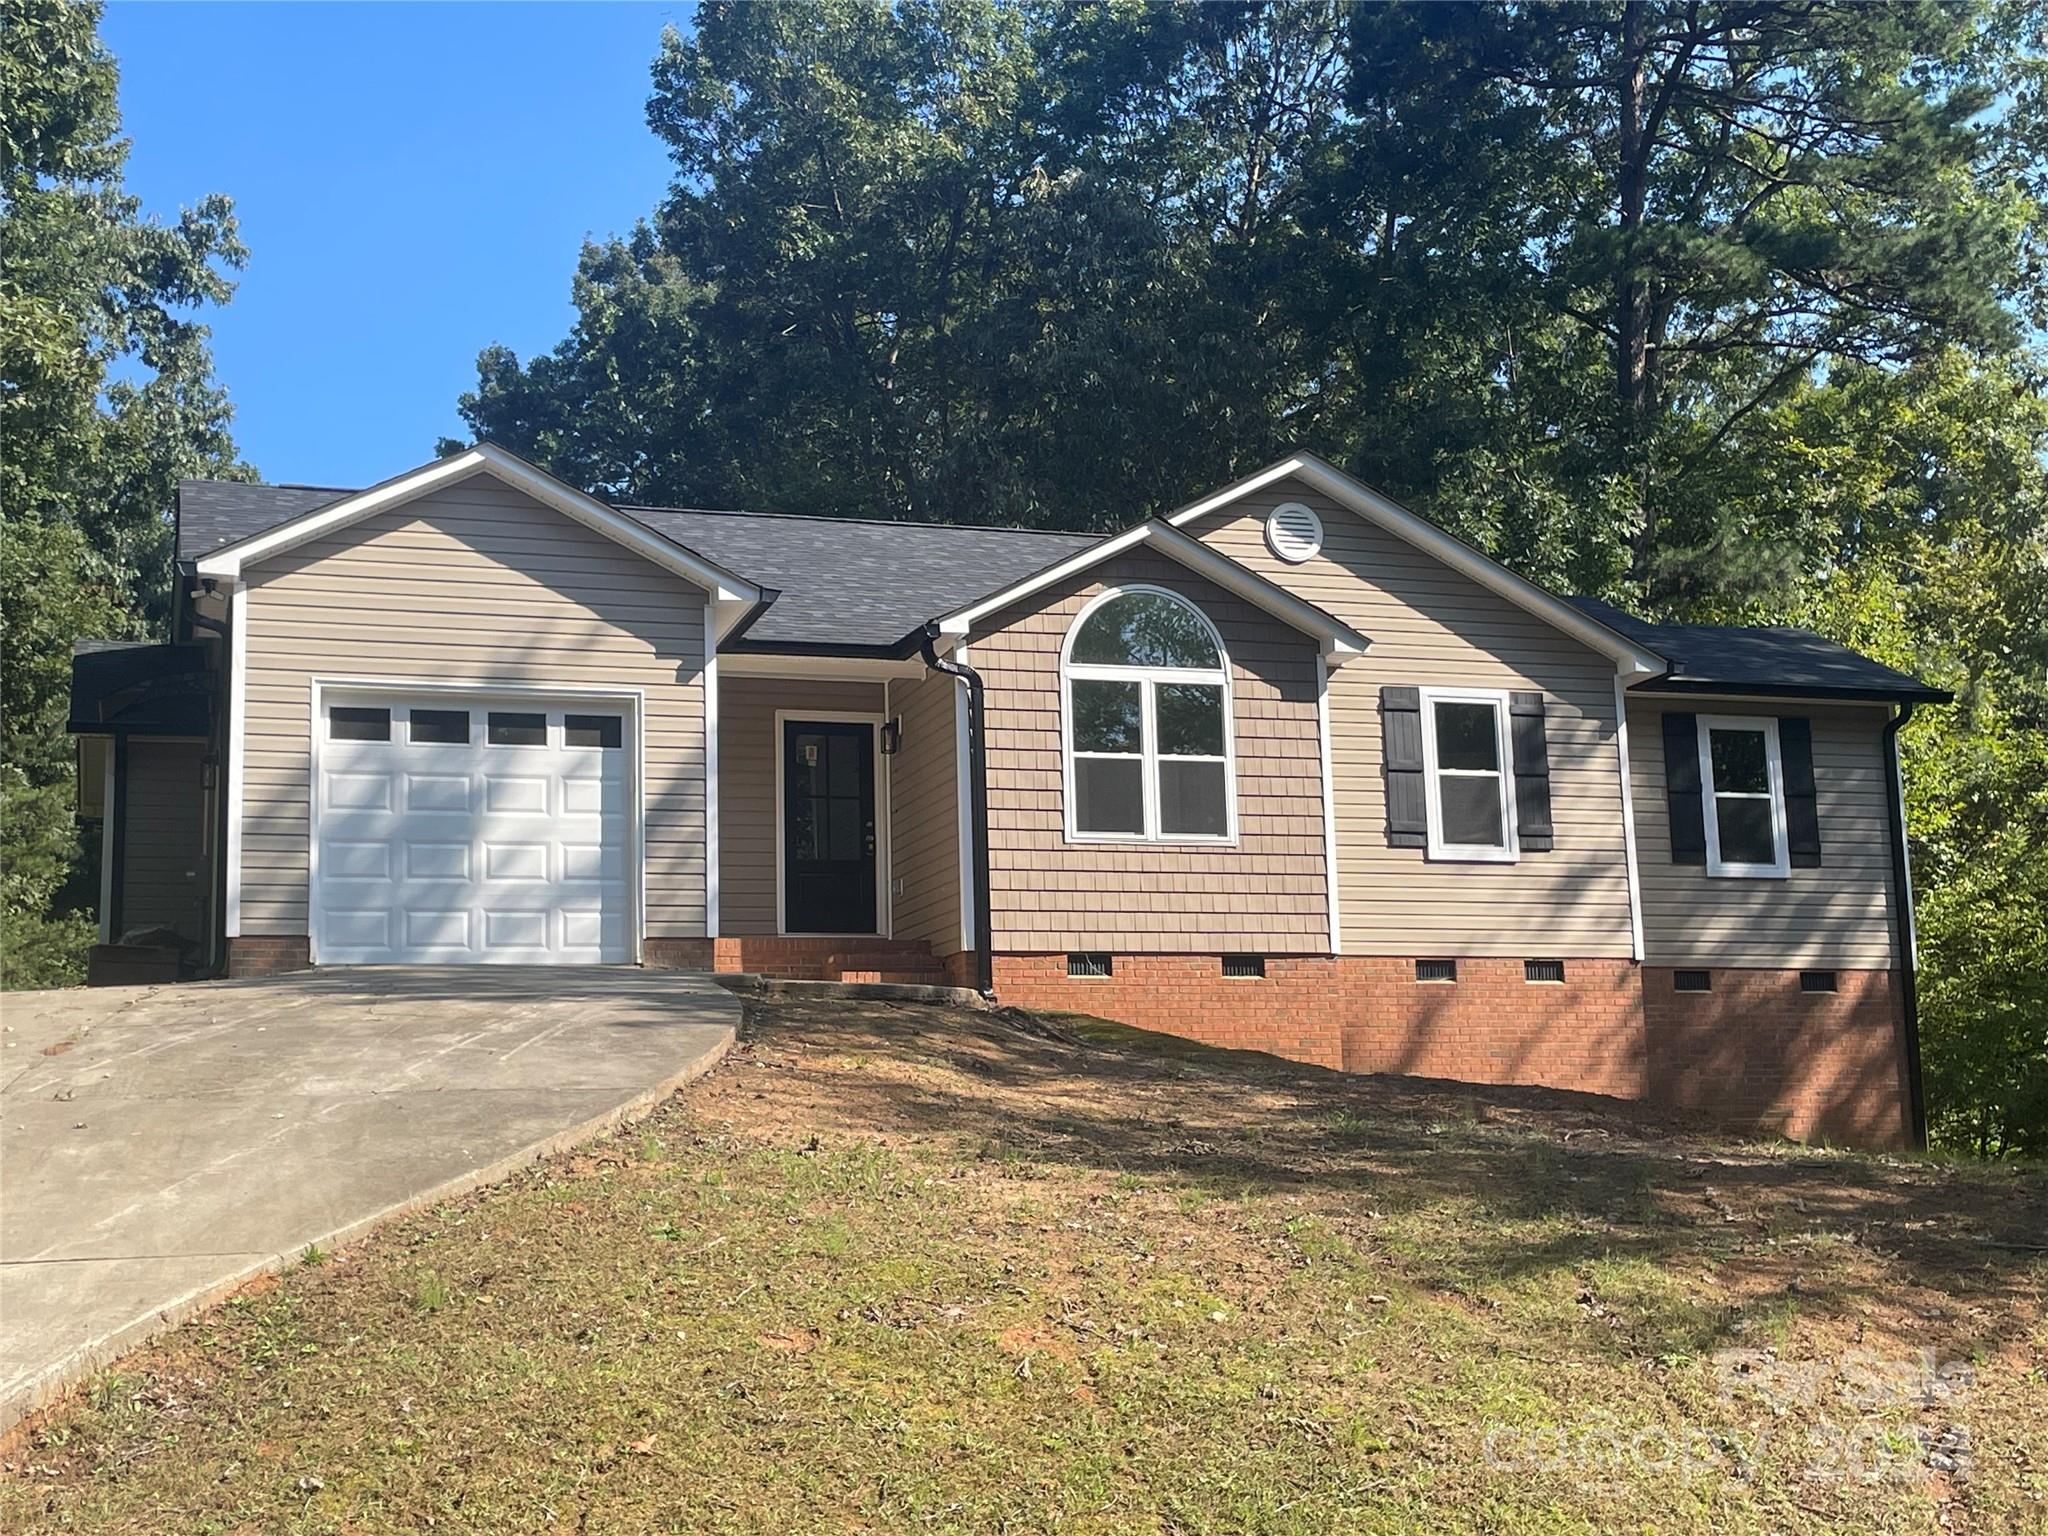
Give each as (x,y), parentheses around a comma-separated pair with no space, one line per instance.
(269,955)
(1756,1051)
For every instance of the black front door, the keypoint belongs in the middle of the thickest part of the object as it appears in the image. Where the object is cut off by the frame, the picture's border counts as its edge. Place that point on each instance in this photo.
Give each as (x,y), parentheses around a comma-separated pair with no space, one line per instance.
(828,827)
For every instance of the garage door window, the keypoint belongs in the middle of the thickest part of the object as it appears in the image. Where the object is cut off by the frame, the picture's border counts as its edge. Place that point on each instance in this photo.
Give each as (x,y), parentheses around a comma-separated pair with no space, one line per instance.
(517,730)
(351,724)
(592,731)
(439,727)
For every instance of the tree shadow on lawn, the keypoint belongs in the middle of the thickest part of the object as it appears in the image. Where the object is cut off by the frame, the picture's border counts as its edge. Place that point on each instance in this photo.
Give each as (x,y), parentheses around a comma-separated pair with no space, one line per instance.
(1486,1187)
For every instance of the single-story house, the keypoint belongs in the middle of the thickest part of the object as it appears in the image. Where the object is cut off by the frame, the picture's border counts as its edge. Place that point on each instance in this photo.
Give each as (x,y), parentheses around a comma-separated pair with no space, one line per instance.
(1289,769)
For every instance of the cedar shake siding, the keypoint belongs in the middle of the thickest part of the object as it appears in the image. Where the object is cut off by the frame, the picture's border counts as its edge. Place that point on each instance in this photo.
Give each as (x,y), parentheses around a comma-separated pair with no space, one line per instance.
(748,751)
(1429,625)
(474,583)
(1838,915)
(924,811)
(164,866)
(1265,893)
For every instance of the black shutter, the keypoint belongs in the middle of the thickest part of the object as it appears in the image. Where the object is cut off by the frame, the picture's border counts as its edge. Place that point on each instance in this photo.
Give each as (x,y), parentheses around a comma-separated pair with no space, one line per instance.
(1532,773)
(1682,789)
(1802,805)
(1401,748)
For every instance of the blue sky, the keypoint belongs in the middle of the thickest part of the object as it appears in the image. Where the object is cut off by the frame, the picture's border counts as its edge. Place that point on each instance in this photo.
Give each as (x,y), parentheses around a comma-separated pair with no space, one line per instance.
(413,183)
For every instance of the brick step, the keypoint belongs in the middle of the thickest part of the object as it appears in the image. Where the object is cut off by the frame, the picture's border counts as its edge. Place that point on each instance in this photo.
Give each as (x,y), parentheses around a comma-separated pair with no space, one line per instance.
(913,964)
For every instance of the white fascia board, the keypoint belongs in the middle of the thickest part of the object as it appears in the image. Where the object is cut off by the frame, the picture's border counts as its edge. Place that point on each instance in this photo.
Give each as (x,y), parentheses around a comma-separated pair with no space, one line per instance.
(961,621)
(486,458)
(1338,641)
(1630,660)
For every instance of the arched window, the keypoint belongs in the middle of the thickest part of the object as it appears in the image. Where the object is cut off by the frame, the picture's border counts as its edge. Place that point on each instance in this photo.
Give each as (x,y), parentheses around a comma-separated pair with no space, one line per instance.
(1147,699)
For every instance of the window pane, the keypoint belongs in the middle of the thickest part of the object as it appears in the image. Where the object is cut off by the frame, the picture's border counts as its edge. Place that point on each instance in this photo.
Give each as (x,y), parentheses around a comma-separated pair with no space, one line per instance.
(1109,794)
(592,730)
(1471,811)
(1145,629)
(1466,737)
(1746,836)
(1106,717)
(516,730)
(1190,719)
(446,727)
(346,724)
(1740,762)
(1192,800)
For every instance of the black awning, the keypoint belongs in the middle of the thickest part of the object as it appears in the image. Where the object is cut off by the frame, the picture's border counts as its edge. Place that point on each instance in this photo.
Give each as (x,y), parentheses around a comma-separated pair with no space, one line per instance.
(123,687)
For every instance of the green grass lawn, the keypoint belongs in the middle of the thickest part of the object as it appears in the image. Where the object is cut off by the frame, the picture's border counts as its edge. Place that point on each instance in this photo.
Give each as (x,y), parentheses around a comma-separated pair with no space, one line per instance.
(905,1269)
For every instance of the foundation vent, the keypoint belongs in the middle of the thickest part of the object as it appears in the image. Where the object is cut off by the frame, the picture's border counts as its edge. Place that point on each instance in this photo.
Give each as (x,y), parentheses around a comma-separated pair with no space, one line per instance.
(1816,981)
(1089,965)
(1692,981)
(1436,970)
(1543,970)
(1244,965)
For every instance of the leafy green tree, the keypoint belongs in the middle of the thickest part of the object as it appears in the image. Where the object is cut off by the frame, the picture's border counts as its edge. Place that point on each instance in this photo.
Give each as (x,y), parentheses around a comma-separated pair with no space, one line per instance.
(1718,202)
(106,400)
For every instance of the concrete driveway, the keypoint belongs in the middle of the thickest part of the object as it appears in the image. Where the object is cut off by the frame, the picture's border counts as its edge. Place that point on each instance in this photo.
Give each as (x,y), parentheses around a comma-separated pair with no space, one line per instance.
(160,1146)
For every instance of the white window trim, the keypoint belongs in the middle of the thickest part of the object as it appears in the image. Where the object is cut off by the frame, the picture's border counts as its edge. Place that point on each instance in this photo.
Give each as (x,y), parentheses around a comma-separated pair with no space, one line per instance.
(1149,758)
(1432,778)
(1710,800)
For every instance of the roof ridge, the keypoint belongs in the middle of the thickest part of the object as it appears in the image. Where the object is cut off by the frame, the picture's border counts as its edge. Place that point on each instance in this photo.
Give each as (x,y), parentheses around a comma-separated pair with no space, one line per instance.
(868,522)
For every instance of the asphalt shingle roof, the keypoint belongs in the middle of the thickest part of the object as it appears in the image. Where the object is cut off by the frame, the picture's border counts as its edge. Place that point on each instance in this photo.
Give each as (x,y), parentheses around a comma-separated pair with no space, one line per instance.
(841,581)
(845,582)
(1764,658)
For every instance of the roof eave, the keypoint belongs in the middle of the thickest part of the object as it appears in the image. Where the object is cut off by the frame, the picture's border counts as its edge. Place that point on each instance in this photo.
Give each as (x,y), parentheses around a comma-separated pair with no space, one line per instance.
(1909,693)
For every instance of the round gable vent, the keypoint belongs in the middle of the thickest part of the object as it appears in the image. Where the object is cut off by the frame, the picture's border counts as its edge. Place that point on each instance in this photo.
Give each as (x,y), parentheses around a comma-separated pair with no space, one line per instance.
(1294,532)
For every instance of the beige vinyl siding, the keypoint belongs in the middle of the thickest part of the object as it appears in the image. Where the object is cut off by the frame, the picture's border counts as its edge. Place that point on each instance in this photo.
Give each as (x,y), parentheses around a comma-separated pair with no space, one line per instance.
(163,868)
(747,812)
(1266,893)
(474,583)
(1836,916)
(924,812)
(1430,625)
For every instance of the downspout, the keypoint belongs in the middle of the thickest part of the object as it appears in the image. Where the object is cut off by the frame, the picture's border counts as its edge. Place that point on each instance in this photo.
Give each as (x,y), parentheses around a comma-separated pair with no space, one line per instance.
(1902,923)
(977,773)
(216,754)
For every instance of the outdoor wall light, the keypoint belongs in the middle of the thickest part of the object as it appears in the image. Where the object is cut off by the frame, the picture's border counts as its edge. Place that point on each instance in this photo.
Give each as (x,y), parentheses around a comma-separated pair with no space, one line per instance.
(892,735)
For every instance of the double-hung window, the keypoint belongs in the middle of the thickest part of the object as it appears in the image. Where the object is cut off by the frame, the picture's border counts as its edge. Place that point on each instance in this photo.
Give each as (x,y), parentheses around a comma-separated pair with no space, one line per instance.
(1468,774)
(1742,779)
(1147,702)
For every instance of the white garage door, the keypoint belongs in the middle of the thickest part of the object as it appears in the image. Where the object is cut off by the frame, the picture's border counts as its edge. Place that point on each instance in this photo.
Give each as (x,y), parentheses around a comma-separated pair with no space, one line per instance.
(472,831)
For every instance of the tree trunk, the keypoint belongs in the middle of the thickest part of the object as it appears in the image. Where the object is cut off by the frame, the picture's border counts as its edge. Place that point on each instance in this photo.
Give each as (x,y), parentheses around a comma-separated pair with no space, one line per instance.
(1632,288)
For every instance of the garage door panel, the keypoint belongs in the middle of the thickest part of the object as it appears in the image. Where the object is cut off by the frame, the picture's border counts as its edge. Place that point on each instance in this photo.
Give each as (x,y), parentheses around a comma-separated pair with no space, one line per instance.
(426,928)
(437,851)
(358,930)
(437,861)
(527,793)
(358,791)
(516,862)
(342,859)
(588,796)
(437,792)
